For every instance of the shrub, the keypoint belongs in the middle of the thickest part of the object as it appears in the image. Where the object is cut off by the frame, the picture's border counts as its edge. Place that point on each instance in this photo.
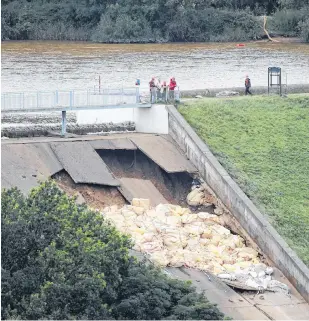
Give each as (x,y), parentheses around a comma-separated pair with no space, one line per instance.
(63,261)
(287,21)
(304,30)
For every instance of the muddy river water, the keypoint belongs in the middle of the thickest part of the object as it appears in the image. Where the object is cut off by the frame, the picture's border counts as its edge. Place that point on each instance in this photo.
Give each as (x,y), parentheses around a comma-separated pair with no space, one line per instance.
(51,65)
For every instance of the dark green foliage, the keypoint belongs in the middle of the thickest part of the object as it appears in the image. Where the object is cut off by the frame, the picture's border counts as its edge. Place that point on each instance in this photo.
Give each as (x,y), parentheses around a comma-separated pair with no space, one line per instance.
(130,21)
(288,22)
(304,30)
(134,20)
(63,261)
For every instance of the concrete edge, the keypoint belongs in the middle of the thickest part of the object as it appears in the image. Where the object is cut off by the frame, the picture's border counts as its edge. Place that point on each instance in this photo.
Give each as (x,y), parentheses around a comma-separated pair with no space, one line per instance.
(250,218)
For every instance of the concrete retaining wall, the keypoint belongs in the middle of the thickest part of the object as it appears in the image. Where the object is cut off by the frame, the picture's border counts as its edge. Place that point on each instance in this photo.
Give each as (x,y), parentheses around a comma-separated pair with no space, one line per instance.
(147,120)
(266,237)
(211,92)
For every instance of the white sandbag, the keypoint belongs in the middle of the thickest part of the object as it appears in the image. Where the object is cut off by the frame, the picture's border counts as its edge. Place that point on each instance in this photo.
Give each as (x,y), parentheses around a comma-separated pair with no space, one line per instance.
(148,237)
(242,265)
(136,209)
(141,202)
(127,213)
(204,242)
(221,230)
(176,210)
(173,221)
(189,218)
(226,276)
(218,210)
(159,258)
(209,218)
(215,240)
(171,241)
(269,270)
(176,258)
(162,208)
(229,267)
(195,197)
(151,213)
(150,247)
(193,244)
(207,233)
(193,230)
(248,250)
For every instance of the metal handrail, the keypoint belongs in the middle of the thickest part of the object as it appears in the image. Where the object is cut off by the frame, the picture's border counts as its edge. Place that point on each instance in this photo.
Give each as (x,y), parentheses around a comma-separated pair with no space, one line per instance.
(68,98)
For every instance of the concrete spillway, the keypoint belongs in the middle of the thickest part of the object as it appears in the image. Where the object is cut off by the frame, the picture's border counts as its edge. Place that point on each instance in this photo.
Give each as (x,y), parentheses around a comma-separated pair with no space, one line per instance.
(138,165)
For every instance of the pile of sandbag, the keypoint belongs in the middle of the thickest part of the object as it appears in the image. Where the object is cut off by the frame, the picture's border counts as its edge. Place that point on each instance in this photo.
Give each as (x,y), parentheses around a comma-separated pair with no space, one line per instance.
(173,236)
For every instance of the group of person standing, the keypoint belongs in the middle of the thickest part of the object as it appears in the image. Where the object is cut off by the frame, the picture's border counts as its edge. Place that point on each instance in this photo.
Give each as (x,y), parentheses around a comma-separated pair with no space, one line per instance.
(161,91)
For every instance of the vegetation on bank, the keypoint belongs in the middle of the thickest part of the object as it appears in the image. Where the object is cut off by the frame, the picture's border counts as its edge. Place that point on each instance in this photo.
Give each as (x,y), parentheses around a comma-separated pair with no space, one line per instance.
(263,142)
(63,261)
(129,21)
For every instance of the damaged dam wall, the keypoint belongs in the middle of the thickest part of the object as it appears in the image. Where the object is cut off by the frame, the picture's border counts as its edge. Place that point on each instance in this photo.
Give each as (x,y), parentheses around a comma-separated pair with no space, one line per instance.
(250,218)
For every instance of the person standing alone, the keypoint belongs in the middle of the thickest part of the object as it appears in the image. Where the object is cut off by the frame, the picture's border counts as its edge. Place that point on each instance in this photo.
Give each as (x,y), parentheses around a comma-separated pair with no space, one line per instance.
(248,85)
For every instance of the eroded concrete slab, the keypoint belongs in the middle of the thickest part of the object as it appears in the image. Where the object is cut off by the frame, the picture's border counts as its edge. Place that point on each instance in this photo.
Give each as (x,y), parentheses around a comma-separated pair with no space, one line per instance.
(164,153)
(113,144)
(24,166)
(83,163)
(141,188)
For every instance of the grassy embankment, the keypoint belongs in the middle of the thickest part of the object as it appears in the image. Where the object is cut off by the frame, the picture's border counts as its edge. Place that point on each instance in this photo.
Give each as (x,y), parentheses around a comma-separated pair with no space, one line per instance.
(263,142)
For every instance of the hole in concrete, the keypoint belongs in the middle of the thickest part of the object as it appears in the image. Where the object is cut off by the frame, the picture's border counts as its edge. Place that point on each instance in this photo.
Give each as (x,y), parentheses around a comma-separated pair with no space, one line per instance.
(135,164)
(95,196)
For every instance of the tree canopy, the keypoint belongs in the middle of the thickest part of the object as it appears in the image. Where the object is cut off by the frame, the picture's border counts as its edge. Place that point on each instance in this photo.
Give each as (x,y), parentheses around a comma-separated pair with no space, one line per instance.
(61,260)
(129,21)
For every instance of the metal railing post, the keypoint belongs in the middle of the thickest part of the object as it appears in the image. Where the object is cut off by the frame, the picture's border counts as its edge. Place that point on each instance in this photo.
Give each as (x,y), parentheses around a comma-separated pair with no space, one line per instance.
(71,98)
(137,95)
(56,97)
(64,122)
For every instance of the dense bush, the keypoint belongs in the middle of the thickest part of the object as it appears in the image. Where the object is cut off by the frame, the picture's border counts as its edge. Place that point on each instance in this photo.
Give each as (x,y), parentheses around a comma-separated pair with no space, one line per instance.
(63,261)
(148,20)
(304,30)
(287,21)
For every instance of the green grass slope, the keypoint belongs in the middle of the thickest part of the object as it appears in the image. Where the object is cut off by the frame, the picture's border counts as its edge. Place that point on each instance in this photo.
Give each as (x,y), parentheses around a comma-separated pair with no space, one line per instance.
(263,142)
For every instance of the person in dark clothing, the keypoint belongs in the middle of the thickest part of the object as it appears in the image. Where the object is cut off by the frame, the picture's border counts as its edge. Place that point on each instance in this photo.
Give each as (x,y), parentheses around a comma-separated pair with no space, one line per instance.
(248,85)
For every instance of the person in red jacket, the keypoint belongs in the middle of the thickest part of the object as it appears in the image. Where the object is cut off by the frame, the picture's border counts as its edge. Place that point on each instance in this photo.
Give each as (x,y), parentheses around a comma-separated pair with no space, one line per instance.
(172,87)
